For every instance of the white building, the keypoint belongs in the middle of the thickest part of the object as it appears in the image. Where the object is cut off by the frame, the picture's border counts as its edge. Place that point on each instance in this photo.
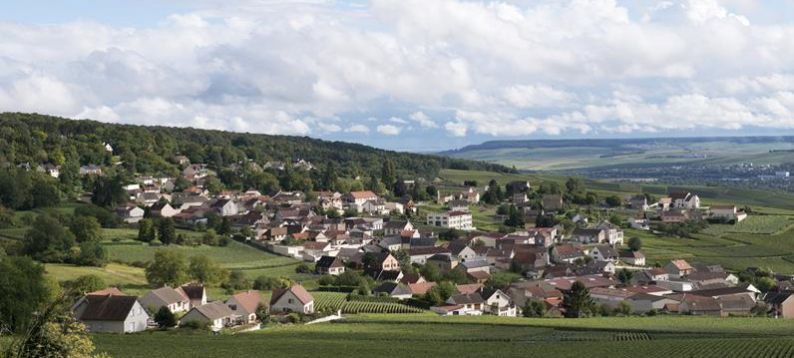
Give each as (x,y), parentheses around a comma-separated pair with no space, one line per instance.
(452,220)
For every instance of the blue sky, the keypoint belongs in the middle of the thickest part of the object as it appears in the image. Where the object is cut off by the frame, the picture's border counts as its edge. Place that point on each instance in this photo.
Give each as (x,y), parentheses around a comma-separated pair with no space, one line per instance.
(408,74)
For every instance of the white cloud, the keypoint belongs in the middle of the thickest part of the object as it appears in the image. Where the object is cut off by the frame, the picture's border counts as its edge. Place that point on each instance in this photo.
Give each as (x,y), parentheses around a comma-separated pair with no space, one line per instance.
(497,68)
(424,120)
(358,128)
(388,129)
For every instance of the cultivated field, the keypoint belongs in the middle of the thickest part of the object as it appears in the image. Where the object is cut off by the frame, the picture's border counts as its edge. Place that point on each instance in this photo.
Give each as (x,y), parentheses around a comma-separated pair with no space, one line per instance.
(428,335)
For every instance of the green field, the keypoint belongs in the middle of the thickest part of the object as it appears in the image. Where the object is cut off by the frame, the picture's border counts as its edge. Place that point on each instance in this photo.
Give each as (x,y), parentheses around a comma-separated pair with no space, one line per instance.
(488,336)
(583,154)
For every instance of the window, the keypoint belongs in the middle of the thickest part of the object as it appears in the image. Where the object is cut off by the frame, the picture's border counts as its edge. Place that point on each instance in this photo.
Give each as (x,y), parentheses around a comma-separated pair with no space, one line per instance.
(290,301)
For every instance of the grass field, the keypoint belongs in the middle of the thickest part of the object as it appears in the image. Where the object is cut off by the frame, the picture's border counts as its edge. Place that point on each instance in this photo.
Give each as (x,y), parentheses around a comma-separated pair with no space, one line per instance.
(487,336)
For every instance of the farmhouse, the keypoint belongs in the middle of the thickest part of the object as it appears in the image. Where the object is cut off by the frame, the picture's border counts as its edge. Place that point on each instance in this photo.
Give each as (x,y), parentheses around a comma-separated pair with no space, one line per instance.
(329,265)
(245,305)
(216,315)
(293,299)
(111,313)
(728,213)
(168,297)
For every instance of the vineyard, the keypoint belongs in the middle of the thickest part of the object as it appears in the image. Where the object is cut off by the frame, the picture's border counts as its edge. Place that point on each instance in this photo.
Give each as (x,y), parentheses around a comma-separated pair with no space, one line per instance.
(334,301)
(754,224)
(430,335)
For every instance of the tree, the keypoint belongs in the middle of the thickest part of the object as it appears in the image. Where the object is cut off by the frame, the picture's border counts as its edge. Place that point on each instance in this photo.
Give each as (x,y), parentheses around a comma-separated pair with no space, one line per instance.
(166,232)
(236,281)
(440,293)
(456,275)
(514,217)
(108,191)
(267,283)
(388,174)
(430,273)
(494,193)
(92,253)
(573,185)
(613,201)
(202,269)
(23,291)
(431,191)
(577,301)
(85,228)
(146,230)
(210,238)
(635,244)
(623,308)
(534,308)
(625,276)
(47,240)
(87,283)
(165,318)
(765,284)
(167,268)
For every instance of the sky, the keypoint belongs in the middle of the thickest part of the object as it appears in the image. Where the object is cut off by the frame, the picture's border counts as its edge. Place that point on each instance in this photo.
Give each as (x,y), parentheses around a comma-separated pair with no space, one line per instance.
(415,75)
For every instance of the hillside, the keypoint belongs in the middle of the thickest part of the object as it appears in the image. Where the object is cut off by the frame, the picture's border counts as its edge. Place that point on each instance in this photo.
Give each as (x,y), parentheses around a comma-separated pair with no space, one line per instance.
(38,138)
(596,153)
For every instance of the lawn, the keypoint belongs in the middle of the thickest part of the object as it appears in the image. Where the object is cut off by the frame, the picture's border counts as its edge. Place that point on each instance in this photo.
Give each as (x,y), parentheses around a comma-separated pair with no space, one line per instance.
(128,278)
(429,335)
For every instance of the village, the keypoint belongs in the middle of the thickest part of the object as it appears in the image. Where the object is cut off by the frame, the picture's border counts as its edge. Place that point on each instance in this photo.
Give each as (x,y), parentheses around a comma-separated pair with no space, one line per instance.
(434,260)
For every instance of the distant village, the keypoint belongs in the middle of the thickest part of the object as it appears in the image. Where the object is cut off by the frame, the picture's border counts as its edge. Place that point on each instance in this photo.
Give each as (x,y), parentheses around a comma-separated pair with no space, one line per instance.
(362,232)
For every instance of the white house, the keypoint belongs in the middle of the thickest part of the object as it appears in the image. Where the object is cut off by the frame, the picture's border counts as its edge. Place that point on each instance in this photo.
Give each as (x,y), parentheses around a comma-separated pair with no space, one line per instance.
(244,305)
(357,199)
(459,220)
(499,304)
(728,213)
(175,300)
(130,214)
(684,200)
(293,299)
(111,313)
(215,314)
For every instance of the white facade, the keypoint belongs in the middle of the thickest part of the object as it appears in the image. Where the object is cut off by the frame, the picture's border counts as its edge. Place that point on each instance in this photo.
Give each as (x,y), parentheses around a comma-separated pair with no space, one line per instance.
(452,220)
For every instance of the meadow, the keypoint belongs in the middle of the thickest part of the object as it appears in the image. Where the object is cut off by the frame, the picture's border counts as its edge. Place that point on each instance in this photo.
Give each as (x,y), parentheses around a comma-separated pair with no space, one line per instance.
(488,336)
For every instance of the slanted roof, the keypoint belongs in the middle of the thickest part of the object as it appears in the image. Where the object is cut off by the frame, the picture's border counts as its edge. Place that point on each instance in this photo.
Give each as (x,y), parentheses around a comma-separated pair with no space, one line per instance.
(420,288)
(366,194)
(303,296)
(329,262)
(108,307)
(193,291)
(681,264)
(248,300)
(107,291)
(466,298)
(469,288)
(168,295)
(393,289)
(214,310)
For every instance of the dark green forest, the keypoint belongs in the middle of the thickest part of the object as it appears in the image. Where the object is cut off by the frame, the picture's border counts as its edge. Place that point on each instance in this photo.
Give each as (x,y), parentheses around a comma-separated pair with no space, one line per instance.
(41,139)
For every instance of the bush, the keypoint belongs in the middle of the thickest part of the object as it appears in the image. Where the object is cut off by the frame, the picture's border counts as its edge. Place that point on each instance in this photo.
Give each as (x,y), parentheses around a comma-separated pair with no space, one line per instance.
(266,283)
(165,318)
(194,324)
(302,268)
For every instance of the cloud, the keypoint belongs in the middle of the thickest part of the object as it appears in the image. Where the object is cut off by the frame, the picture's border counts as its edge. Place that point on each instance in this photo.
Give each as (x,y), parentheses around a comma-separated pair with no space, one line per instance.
(496,68)
(358,128)
(388,129)
(424,120)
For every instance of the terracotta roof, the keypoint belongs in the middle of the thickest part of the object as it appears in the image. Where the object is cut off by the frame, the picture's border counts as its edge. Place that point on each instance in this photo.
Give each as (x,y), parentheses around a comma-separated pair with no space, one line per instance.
(297,290)
(107,291)
(362,194)
(249,300)
(681,264)
(421,288)
(469,288)
(108,307)
(479,275)
(314,245)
